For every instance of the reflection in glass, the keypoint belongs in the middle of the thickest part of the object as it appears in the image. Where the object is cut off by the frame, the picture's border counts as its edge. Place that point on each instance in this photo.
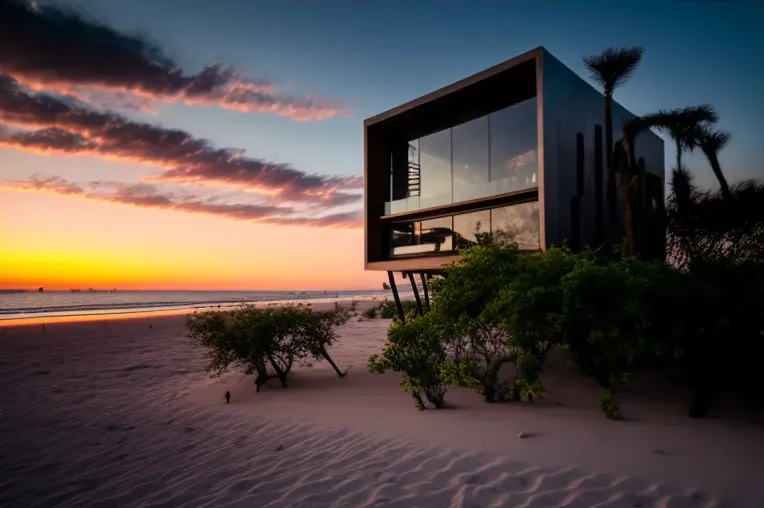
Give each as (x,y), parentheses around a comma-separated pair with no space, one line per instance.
(465,226)
(405,181)
(470,156)
(514,148)
(435,170)
(430,236)
(521,222)
(491,155)
(438,233)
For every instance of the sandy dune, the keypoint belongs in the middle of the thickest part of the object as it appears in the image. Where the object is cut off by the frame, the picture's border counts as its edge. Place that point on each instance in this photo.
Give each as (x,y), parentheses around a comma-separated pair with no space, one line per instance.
(120,413)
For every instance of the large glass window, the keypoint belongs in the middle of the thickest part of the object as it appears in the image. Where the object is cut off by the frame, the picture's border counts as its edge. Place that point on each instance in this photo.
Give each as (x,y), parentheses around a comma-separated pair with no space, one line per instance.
(430,236)
(458,232)
(467,224)
(514,148)
(435,169)
(470,160)
(521,222)
(489,156)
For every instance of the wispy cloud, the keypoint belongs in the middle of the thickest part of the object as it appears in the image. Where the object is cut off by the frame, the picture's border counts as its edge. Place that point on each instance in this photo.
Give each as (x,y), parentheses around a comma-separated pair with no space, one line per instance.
(68,127)
(56,49)
(149,196)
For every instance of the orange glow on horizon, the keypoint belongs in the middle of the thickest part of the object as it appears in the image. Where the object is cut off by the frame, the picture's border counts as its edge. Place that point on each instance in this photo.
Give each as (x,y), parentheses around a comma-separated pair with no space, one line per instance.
(59,244)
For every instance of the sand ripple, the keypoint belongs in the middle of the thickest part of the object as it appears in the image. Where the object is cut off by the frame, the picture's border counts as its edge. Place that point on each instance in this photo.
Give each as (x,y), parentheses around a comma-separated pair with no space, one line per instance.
(109,423)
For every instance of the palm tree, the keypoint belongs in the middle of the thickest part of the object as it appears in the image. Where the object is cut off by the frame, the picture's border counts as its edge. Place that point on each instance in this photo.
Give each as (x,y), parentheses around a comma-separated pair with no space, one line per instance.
(682,125)
(711,142)
(682,188)
(612,68)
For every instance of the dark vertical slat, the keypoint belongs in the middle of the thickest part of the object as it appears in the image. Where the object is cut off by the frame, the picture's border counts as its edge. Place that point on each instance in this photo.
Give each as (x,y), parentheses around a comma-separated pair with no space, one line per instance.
(644,203)
(642,212)
(396,297)
(426,293)
(580,161)
(599,209)
(612,197)
(575,224)
(416,294)
(399,157)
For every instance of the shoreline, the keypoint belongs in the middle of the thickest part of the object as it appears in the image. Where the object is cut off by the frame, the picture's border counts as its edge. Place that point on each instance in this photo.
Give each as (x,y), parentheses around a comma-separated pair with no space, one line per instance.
(34,319)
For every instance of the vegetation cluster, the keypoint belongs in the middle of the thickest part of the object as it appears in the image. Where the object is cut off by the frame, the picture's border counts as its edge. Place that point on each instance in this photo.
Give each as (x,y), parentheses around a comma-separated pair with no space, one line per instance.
(265,341)
(692,309)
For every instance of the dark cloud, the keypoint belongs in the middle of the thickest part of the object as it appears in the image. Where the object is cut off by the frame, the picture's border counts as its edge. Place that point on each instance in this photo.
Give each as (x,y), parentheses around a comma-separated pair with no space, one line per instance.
(148,196)
(67,126)
(54,48)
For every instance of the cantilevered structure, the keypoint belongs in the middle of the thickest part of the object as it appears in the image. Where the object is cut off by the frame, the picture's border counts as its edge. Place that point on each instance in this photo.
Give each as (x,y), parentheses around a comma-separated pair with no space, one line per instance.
(517,147)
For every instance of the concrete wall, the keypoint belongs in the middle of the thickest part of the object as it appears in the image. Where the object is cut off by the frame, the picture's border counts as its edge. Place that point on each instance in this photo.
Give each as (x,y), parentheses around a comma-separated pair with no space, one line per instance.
(570,105)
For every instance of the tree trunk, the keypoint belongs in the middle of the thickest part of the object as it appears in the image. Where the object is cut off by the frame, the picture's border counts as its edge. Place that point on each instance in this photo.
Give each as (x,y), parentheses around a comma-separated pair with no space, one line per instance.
(280,373)
(713,160)
(609,129)
(612,199)
(622,165)
(418,400)
(678,154)
(325,354)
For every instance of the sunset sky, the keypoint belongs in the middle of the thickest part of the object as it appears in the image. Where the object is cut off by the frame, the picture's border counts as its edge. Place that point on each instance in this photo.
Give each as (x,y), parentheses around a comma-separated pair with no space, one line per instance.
(227,151)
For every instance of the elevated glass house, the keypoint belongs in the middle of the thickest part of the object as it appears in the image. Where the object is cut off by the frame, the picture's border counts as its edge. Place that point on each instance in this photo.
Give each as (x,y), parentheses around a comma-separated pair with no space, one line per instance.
(518,147)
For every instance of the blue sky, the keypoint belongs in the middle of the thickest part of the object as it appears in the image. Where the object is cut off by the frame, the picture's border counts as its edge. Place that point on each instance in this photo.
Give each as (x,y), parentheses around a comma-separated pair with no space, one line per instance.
(97,194)
(375,55)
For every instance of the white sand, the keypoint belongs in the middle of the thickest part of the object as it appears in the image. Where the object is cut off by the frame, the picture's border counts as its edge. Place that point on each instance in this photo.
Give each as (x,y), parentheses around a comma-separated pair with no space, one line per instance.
(119,414)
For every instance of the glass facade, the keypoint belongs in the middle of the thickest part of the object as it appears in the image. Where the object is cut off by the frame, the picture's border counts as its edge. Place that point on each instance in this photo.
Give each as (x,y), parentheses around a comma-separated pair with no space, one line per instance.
(453,233)
(471,170)
(435,169)
(488,156)
(467,224)
(514,148)
(521,222)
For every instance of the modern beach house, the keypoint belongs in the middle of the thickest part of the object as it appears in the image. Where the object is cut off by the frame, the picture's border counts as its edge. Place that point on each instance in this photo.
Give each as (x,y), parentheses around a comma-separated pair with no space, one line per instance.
(517,147)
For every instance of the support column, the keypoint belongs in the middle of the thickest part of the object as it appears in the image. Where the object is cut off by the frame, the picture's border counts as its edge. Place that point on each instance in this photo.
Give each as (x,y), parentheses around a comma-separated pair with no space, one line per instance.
(416,294)
(426,293)
(396,297)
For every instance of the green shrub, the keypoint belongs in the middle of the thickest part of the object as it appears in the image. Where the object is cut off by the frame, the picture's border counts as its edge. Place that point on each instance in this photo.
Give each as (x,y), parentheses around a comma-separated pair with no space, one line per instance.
(605,324)
(701,324)
(609,405)
(266,341)
(388,310)
(370,313)
(341,314)
(415,348)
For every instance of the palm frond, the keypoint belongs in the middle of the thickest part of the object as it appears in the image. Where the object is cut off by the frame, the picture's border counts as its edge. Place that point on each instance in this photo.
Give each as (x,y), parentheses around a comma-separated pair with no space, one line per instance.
(712,140)
(614,66)
(682,124)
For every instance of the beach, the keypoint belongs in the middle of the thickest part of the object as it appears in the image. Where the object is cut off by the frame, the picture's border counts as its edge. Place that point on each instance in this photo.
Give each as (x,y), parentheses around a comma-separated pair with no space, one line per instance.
(120,412)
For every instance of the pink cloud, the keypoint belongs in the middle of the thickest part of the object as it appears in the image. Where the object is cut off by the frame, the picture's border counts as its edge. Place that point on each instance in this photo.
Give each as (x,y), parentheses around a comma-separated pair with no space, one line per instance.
(148,196)
(57,49)
(65,127)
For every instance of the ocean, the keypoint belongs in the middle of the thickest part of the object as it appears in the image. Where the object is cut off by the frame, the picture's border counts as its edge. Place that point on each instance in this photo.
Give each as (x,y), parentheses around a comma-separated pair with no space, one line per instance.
(19,305)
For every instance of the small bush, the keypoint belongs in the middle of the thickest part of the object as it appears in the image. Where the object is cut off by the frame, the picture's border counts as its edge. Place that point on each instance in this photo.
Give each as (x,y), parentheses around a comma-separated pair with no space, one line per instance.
(609,405)
(415,349)
(265,341)
(370,313)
